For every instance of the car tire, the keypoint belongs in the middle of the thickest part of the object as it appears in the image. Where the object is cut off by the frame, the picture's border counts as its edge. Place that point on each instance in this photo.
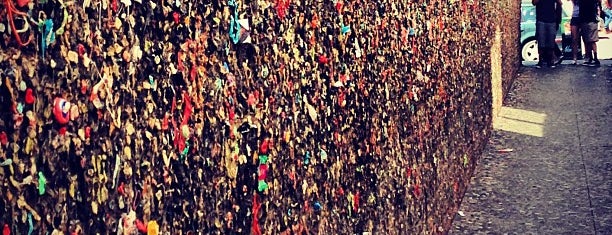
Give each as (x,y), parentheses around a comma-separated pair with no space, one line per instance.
(529,50)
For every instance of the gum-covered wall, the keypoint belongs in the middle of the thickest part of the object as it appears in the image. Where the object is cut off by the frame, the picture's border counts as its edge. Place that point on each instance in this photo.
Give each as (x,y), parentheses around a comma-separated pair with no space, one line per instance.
(244,117)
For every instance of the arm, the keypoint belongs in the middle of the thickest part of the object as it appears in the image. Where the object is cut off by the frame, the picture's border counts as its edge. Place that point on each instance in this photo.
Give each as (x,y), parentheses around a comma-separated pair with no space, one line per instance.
(558,14)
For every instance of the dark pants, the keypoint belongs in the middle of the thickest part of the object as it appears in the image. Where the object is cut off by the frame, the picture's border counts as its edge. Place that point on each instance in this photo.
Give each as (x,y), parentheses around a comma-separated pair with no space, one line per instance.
(548,49)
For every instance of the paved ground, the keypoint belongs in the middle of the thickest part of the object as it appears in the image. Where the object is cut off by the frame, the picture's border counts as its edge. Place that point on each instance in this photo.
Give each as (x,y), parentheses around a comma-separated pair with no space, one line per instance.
(558,178)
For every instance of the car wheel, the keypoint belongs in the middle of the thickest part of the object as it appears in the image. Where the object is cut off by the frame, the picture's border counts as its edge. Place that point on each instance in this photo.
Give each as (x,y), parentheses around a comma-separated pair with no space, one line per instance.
(529,51)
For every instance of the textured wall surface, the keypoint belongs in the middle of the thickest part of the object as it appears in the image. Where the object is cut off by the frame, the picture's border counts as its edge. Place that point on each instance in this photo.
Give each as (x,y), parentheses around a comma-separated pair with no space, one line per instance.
(510,18)
(248,117)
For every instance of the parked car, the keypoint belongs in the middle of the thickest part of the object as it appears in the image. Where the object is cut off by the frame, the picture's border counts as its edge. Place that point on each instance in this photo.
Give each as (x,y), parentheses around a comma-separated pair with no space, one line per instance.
(529,45)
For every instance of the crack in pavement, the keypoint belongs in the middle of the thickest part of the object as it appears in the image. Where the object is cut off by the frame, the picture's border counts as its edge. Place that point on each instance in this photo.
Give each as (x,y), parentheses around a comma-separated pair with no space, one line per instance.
(586,176)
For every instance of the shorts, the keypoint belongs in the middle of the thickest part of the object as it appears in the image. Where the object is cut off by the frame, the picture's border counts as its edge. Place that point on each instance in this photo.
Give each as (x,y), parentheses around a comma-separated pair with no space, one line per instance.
(575,21)
(590,32)
(546,34)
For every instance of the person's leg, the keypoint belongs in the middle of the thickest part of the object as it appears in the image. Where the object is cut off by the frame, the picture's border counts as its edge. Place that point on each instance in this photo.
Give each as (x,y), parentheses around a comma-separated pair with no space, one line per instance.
(557,50)
(541,56)
(594,37)
(540,37)
(587,52)
(541,53)
(608,19)
(575,42)
(558,55)
(550,31)
(584,33)
(552,58)
(594,50)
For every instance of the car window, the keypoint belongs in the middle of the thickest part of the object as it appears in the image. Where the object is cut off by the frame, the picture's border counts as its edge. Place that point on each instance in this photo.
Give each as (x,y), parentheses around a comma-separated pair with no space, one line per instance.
(528,13)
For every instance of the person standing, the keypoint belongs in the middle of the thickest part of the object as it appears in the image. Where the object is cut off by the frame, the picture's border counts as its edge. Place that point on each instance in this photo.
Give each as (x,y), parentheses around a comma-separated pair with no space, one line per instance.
(546,30)
(589,29)
(558,55)
(575,29)
(607,15)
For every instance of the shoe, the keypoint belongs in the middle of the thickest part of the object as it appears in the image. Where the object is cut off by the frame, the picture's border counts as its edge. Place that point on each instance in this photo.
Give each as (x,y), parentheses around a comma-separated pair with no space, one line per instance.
(587,63)
(595,63)
(552,66)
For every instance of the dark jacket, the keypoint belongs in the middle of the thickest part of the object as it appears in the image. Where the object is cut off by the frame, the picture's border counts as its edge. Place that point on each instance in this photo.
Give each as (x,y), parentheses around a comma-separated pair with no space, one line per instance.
(588,10)
(545,11)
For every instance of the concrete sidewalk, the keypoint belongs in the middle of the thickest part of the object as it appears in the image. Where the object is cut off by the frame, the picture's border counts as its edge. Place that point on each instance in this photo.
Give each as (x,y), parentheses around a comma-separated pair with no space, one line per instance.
(548,168)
